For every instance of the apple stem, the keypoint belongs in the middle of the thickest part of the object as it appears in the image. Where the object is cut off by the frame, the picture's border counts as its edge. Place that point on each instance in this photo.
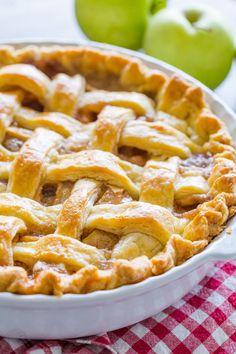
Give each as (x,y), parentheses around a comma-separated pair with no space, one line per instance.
(157,5)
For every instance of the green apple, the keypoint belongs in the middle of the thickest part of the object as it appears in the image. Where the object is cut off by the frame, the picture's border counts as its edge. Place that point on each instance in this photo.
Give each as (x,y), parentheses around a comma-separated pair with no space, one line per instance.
(119,22)
(195,39)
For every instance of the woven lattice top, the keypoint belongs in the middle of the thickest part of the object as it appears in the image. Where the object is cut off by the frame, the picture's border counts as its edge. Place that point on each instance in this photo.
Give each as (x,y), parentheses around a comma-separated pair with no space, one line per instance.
(109,172)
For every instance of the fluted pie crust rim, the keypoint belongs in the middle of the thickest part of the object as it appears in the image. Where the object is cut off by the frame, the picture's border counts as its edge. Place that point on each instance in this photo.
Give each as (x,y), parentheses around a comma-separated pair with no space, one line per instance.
(182,240)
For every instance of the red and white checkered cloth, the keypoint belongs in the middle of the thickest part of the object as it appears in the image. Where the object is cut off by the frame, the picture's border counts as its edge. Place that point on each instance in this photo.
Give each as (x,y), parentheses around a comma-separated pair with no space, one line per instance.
(204,321)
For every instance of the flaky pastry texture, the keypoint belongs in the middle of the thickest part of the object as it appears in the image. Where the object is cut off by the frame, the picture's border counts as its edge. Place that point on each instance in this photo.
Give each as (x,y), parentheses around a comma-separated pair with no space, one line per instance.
(110,172)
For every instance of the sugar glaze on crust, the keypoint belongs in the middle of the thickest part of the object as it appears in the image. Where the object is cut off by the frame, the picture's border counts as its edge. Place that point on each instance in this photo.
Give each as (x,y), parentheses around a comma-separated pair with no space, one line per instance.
(110,172)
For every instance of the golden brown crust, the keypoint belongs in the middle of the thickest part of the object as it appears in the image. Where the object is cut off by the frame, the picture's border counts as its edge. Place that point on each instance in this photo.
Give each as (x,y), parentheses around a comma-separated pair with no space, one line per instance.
(30,163)
(124,71)
(75,215)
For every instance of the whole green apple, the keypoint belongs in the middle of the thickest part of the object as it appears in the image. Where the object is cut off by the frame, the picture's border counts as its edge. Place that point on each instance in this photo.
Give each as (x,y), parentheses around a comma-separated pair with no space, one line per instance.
(119,22)
(195,39)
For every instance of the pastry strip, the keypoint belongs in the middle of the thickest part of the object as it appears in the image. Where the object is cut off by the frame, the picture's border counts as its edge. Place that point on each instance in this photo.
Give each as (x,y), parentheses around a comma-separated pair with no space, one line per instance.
(76,208)
(64,94)
(58,122)
(26,77)
(37,218)
(95,164)
(156,138)
(57,249)
(95,101)
(132,217)
(135,245)
(158,182)
(9,228)
(108,128)
(9,103)
(28,167)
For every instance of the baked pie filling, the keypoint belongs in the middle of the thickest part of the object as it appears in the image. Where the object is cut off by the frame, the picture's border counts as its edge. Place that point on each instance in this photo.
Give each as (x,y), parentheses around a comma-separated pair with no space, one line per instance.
(110,172)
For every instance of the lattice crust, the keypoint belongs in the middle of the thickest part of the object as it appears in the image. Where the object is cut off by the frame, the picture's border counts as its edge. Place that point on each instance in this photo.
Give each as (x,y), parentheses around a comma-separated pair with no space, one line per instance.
(110,172)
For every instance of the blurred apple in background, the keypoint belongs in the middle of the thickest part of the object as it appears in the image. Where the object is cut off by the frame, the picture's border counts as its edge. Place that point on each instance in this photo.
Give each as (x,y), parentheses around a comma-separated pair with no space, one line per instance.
(119,22)
(194,39)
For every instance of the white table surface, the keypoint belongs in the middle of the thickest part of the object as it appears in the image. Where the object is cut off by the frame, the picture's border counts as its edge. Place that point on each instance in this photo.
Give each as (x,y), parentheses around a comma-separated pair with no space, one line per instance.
(55,19)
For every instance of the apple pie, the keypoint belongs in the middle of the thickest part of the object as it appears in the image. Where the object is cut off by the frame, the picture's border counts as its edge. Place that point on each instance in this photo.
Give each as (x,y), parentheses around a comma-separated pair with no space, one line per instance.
(110,172)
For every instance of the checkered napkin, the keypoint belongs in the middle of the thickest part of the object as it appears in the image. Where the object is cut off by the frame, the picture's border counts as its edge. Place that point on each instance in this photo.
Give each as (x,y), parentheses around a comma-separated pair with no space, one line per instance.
(204,321)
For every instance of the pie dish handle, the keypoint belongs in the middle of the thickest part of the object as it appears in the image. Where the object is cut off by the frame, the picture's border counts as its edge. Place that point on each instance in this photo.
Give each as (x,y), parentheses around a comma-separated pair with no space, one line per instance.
(224,248)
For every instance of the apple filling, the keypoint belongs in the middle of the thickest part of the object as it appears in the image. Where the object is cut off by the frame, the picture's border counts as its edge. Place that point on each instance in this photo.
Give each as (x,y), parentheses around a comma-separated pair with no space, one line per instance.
(29,101)
(114,195)
(198,162)
(191,186)
(52,193)
(133,155)
(12,144)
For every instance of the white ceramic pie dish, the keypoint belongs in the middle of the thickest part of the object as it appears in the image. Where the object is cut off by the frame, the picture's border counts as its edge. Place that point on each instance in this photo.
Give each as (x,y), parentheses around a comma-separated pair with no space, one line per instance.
(48,317)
